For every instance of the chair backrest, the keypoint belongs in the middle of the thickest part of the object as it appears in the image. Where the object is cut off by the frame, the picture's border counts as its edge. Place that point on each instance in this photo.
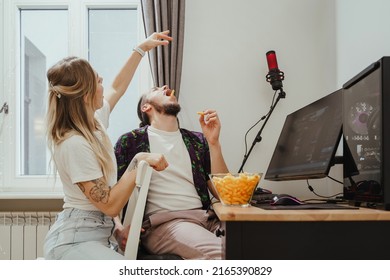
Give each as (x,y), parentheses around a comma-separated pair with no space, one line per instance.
(135,209)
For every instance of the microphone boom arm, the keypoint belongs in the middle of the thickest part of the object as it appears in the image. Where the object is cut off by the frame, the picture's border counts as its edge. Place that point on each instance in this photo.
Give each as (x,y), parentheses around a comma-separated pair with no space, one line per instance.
(258,137)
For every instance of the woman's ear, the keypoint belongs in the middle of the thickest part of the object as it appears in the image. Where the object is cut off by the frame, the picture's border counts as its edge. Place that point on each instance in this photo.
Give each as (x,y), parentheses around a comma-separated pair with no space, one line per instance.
(85,98)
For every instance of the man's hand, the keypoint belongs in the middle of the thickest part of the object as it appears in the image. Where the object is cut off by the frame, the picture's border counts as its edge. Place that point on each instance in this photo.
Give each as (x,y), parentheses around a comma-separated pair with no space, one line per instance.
(211,126)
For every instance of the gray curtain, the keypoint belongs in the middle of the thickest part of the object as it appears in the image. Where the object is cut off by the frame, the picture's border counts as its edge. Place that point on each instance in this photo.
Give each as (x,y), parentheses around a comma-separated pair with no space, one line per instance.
(165,62)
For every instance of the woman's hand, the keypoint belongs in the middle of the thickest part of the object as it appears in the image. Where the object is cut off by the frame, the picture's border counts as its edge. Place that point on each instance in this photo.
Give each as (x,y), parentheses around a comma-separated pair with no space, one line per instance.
(156,39)
(156,161)
(121,233)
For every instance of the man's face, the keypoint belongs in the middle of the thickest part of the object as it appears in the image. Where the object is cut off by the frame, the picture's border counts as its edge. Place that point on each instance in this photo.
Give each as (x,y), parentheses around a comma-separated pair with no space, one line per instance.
(164,102)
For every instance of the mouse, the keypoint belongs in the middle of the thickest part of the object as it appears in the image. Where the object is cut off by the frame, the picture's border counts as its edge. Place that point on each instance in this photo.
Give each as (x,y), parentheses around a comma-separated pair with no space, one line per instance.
(285,199)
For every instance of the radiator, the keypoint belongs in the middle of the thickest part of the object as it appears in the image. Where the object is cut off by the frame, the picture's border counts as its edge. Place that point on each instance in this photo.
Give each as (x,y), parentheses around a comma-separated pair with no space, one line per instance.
(22,234)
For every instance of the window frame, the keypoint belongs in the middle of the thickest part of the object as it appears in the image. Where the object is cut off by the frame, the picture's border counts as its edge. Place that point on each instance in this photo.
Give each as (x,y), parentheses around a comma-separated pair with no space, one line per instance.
(13,185)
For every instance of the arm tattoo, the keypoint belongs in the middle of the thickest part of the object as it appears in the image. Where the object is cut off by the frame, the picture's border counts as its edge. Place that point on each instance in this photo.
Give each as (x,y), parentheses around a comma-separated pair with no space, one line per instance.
(132,165)
(100,192)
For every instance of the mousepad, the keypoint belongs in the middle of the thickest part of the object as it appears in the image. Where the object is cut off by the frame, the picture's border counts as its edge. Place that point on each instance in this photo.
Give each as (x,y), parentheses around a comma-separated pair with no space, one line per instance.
(304,206)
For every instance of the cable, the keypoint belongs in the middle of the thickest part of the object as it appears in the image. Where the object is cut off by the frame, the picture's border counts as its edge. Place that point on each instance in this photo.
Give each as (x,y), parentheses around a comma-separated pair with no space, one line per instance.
(312,190)
(262,118)
(335,180)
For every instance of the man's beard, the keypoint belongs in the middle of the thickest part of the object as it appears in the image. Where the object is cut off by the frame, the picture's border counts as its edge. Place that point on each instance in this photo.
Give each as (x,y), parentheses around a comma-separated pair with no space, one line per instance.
(167,109)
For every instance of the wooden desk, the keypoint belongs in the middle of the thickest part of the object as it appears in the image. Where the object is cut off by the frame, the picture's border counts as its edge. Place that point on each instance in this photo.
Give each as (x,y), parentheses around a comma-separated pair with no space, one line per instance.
(254,233)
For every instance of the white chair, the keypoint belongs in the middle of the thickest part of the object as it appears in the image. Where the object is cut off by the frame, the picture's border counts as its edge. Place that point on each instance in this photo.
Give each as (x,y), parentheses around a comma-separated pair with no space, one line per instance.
(135,209)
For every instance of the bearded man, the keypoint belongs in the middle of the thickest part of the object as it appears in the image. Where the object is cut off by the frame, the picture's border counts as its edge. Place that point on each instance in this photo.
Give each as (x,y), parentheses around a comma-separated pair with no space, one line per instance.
(178,219)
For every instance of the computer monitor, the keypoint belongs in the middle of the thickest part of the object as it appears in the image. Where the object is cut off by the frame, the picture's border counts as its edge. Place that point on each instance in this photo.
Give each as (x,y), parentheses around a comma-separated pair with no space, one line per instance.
(366,130)
(308,142)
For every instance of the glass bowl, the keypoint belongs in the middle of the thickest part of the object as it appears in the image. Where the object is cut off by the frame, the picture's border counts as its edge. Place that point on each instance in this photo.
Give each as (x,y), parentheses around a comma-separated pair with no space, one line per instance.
(235,189)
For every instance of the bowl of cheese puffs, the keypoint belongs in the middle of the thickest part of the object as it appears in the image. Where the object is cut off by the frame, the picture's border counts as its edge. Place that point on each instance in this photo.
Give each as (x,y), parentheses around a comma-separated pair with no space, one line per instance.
(235,189)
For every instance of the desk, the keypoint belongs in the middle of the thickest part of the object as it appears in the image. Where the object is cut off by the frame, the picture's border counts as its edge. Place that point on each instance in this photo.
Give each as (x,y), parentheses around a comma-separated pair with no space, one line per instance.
(253,233)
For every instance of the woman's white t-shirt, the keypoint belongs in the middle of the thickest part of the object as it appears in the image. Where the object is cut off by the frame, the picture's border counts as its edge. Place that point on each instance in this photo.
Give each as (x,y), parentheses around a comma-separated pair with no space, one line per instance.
(76,163)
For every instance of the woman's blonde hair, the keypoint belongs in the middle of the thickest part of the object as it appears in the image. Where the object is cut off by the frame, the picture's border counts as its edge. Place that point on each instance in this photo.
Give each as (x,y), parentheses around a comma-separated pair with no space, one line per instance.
(70,81)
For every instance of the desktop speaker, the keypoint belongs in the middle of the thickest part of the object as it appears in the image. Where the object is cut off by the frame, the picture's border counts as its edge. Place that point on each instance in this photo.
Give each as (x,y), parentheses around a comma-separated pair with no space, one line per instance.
(366,136)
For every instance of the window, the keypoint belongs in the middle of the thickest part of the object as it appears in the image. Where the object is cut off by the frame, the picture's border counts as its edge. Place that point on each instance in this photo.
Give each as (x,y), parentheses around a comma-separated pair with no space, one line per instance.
(37,35)
(40,47)
(114,30)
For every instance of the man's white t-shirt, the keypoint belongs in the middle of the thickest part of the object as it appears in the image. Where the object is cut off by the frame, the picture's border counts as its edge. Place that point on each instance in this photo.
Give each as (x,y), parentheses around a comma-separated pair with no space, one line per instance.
(173,188)
(76,163)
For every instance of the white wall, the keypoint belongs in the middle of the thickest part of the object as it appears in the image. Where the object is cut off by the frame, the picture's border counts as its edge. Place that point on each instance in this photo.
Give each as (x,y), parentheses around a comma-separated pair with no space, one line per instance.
(225,65)
(363,35)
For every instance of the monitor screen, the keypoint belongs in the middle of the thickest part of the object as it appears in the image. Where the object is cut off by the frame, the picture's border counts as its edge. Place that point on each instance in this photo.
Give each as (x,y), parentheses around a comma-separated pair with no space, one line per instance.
(308,141)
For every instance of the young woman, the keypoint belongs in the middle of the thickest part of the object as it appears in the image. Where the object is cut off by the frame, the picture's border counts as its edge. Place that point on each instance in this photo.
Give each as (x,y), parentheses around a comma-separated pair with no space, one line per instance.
(77,117)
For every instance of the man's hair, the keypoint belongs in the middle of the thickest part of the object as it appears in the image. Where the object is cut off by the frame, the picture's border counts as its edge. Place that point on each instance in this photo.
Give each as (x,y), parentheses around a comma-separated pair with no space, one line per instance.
(142,115)
(167,109)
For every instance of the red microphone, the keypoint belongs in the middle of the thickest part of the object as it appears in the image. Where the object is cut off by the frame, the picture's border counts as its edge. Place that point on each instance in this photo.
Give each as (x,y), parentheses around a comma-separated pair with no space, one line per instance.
(274,76)
(271,60)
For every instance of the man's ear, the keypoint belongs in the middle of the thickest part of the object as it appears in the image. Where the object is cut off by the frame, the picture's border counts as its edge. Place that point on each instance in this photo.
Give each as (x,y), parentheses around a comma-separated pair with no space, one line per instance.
(146,107)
